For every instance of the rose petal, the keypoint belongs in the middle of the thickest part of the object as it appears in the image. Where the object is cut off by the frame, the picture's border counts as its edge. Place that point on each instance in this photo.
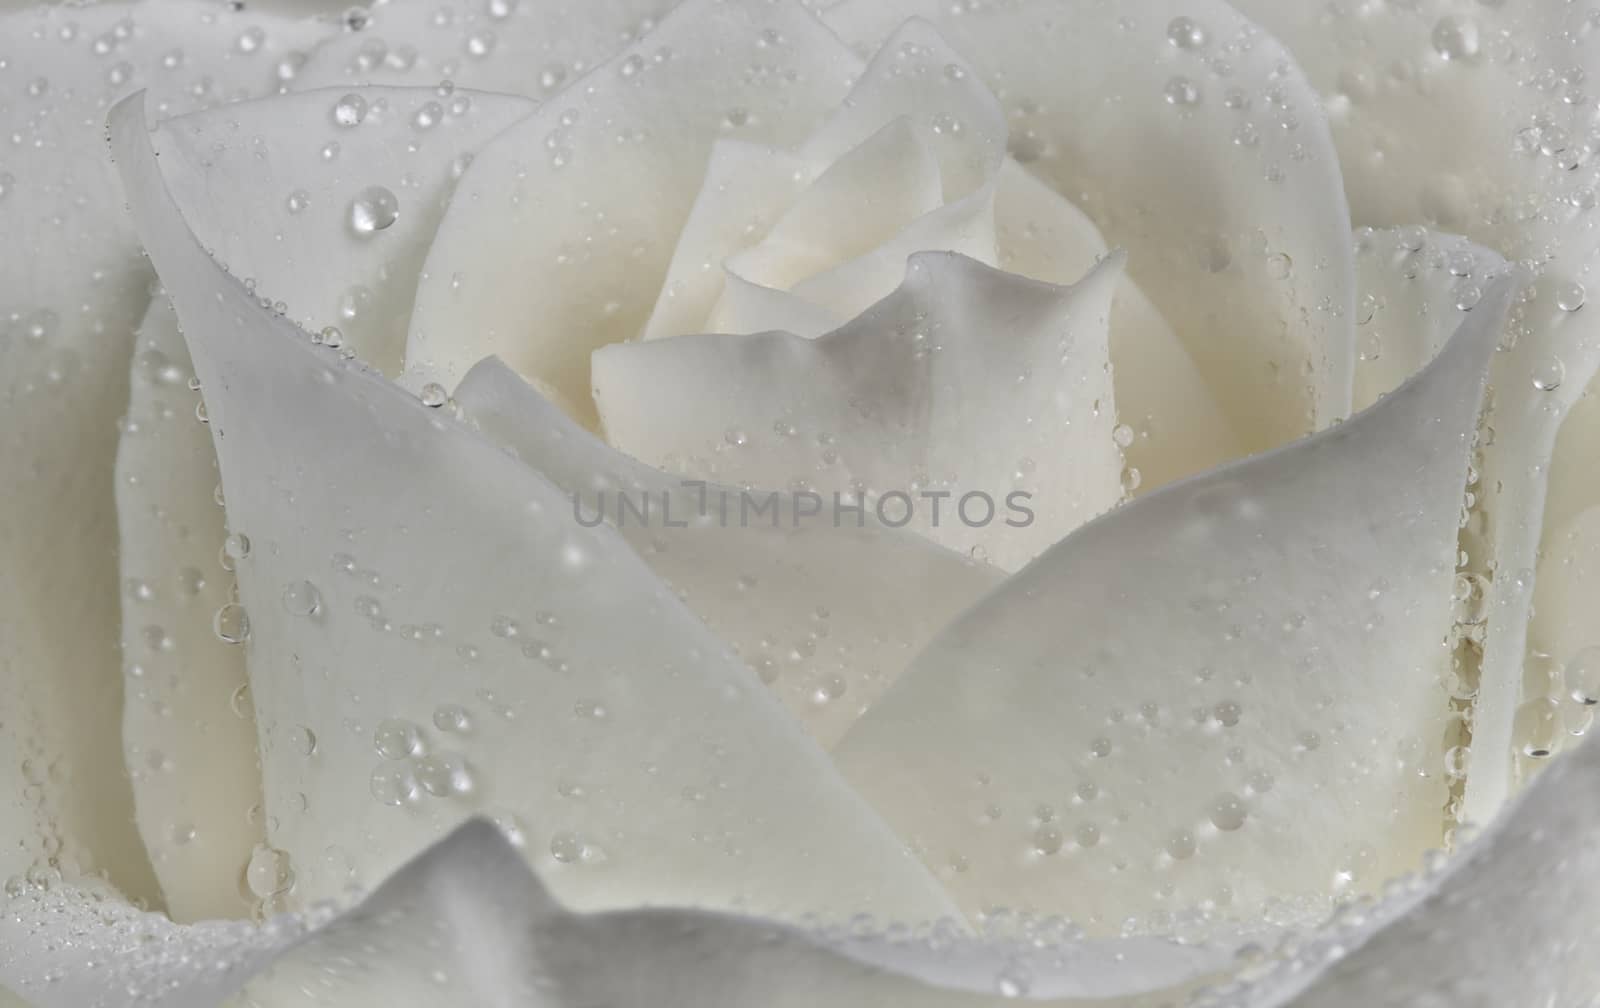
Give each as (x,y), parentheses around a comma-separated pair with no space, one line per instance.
(1222,695)
(1240,246)
(425,628)
(1414,285)
(66,946)
(331,221)
(1508,922)
(466,921)
(74,289)
(828,614)
(187,727)
(1471,119)
(1177,424)
(911,399)
(523,47)
(549,213)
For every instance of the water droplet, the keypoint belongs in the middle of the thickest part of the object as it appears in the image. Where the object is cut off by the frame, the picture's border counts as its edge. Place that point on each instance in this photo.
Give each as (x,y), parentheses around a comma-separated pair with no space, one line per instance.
(269,872)
(1583,676)
(231,624)
(1538,727)
(1181,91)
(434,395)
(1456,38)
(1186,33)
(428,116)
(1569,296)
(394,784)
(374,209)
(566,848)
(396,738)
(236,546)
(1547,376)
(444,774)
(301,598)
(348,111)
(452,718)
(1122,434)
(1227,812)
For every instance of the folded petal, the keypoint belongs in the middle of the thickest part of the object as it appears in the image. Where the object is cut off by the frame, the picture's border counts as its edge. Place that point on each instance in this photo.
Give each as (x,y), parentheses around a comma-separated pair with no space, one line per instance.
(1222,698)
(187,728)
(1507,922)
(427,634)
(971,404)
(1176,422)
(72,291)
(1474,118)
(1225,191)
(326,202)
(548,215)
(467,921)
(1414,286)
(828,613)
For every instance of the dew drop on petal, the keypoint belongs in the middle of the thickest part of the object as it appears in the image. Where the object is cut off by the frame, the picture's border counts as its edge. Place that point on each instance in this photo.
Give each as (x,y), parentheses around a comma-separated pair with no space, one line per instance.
(1570,296)
(374,209)
(1186,33)
(1538,727)
(231,624)
(1583,676)
(269,872)
(1548,375)
(349,111)
(396,739)
(301,598)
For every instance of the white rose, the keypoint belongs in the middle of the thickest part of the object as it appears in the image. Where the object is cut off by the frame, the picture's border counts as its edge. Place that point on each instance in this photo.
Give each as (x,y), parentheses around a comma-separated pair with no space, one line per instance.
(1266,562)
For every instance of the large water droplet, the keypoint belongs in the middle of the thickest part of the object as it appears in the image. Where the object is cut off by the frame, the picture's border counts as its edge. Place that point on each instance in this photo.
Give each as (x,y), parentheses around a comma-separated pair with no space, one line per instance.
(373,209)
(301,598)
(396,738)
(231,624)
(269,872)
(350,110)
(1456,38)
(1583,676)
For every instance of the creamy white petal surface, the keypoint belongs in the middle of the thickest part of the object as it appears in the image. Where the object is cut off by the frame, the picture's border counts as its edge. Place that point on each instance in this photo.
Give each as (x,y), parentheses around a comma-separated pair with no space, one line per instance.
(827,612)
(325,203)
(1222,699)
(1478,118)
(187,725)
(1229,203)
(533,48)
(428,635)
(468,923)
(562,228)
(72,290)
(907,404)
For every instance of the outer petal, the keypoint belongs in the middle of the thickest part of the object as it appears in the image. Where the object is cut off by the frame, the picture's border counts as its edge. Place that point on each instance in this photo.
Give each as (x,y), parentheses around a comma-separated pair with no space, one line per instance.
(274,189)
(1222,695)
(420,577)
(524,47)
(1508,923)
(1225,190)
(1414,286)
(563,229)
(913,398)
(467,922)
(72,289)
(828,615)
(1479,118)
(186,724)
